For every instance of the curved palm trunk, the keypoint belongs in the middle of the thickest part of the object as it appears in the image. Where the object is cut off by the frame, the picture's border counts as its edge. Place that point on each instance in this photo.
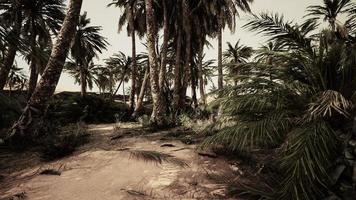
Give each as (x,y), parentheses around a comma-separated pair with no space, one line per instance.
(200,73)
(37,105)
(139,103)
(158,113)
(134,63)
(10,53)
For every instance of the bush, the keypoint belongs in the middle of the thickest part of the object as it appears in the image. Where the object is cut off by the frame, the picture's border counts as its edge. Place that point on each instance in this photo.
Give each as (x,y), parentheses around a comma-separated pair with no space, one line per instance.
(71,108)
(64,141)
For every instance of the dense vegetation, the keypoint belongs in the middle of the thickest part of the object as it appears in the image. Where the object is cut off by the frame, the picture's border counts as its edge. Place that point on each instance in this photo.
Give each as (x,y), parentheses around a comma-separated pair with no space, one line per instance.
(291,99)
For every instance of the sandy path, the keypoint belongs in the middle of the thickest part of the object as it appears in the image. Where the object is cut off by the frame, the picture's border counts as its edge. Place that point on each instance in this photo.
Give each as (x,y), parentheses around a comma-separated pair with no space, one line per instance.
(100,171)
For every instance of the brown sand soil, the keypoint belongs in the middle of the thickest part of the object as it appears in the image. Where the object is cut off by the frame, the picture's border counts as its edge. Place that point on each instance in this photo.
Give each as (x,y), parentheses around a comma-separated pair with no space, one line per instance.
(105,170)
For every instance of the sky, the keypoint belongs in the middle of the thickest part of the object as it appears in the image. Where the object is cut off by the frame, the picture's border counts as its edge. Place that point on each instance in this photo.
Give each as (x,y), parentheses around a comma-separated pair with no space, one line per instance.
(108,18)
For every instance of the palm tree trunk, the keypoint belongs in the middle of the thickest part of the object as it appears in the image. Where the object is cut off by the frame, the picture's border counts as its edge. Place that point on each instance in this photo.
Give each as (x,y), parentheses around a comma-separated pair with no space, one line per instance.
(10,53)
(139,102)
(33,78)
(162,75)
(83,82)
(158,113)
(134,63)
(37,105)
(177,73)
(200,73)
(123,91)
(188,50)
(220,67)
(33,66)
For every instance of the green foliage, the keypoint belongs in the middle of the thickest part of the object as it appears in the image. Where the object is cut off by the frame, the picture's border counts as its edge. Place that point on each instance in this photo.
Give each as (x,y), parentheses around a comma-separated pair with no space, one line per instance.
(293,100)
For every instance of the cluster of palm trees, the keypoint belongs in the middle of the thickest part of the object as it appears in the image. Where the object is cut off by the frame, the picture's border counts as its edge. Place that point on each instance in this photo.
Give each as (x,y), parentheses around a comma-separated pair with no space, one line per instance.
(180,53)
(294,96)
(296,100)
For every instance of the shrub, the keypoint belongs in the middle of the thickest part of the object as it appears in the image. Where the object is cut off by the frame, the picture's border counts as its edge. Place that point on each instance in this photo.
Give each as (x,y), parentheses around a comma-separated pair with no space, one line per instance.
(64,141)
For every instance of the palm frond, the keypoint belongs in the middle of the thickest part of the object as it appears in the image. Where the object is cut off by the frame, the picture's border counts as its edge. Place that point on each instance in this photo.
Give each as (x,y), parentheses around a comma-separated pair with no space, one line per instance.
(157,157)
(309,152)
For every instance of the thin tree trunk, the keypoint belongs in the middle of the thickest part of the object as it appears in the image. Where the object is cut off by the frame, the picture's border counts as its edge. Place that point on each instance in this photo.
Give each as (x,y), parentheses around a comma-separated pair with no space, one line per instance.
(10,53)
(200,73)
(158,113)
(123,91)
(220,67)
(134,63)
(139,103)
(83,82)
(188,51)
(38,103)
(122,78)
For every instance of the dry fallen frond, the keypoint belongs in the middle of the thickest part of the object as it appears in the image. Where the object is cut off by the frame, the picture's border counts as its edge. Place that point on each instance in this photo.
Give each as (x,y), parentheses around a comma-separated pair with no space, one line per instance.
(157,157)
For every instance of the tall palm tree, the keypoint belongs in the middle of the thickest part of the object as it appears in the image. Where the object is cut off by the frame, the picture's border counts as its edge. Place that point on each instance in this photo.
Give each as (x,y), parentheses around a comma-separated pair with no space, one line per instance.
(37,105)
(41,19)
(11,16)
(226,10)
(86,45)
(330,11)
(158,116)
(133,15)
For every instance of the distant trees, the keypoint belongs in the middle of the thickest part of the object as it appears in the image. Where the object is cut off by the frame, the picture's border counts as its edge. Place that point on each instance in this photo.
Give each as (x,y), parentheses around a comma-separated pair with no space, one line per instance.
(132,15)
(87,43)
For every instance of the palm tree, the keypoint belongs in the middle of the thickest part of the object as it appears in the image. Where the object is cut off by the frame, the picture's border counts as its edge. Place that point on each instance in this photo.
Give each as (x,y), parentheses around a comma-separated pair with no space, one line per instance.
(132,15)
(330,11)
(11,16)
(23,129)
(41,19)
(297,107)
(86,44)
(158,116)
(119,65)
(145,64)
(235,55)
(226,11)
(17,79)
(85,76)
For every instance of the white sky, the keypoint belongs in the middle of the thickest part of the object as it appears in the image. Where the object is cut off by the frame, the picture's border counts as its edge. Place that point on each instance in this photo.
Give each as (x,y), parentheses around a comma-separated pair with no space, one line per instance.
(108,18)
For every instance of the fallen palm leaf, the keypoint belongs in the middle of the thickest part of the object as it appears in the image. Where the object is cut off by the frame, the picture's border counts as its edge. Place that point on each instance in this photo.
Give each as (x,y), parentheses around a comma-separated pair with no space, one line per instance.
(157,157)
